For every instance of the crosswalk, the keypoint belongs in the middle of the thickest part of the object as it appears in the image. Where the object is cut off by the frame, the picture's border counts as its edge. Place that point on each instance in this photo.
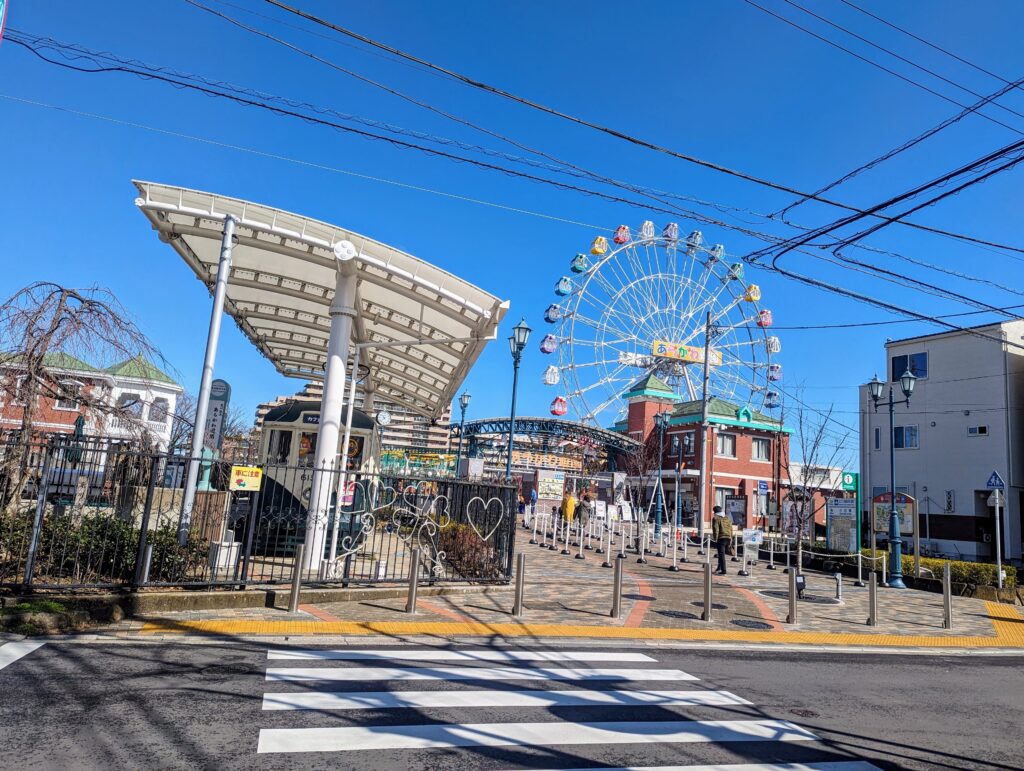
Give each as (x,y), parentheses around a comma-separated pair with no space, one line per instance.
(583,707)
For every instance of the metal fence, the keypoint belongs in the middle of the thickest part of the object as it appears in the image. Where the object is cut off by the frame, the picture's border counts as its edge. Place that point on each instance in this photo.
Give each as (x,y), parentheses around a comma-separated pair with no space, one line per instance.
(79,512)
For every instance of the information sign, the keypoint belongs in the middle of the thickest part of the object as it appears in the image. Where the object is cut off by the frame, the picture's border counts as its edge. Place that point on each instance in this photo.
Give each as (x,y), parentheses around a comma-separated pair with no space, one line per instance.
(841,524)
(246,478)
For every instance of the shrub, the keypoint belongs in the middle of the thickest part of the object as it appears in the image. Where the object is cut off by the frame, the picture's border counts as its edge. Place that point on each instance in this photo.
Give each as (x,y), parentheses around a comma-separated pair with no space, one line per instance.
(466,552)
(972,573)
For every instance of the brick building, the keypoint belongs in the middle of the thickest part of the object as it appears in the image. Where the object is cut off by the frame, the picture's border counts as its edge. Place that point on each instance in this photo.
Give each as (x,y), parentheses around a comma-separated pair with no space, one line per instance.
(744,448)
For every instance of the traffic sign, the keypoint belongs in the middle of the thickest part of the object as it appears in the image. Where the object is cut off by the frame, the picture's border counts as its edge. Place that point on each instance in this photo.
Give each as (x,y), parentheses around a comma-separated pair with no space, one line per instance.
(995,498)
(995,482)
(762,487)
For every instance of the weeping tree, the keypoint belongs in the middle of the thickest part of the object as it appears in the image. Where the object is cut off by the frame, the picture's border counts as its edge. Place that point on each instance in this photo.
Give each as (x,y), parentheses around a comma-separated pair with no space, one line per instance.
(45,330)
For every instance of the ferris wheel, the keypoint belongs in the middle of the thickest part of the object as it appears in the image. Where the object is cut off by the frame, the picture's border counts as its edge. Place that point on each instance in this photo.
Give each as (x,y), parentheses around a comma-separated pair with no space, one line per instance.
(650,305)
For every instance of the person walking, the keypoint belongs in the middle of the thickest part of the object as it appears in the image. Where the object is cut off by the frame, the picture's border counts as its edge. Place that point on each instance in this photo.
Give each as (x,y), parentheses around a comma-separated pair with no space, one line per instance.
(586,509)
(721,532)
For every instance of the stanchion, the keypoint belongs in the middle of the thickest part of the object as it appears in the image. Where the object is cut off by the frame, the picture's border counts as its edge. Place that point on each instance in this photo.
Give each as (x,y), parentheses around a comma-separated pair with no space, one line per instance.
(603,528)
(860,579)
(608,552)
(787,557)
(708,604)
(533,538)
(617,590)
(641,544)
(555,525)
(839,586)
(580,555)
(791,618)
(622,541)
(873,599)
(686,540)
(517,606)
(293,600)
(590,533)
(674,567)
(735,549)
(565,537)
(414,577)
(771,554)
(743,567)
(947,597)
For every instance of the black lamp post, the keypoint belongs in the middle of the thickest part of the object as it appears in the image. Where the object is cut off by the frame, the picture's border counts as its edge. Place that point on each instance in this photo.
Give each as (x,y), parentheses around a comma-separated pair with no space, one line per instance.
(516,343)
(463,403)
(876,388)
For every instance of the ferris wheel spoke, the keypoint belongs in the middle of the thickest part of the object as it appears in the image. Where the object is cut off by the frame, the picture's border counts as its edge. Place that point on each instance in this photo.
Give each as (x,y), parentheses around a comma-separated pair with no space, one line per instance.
(690,389)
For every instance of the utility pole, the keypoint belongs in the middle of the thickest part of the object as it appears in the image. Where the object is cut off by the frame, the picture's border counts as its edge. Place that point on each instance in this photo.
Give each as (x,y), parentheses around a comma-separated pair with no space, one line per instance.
(702,493)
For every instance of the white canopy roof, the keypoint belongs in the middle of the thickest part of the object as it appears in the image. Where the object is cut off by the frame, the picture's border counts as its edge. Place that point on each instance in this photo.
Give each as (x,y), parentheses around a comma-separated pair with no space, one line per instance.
(282,282)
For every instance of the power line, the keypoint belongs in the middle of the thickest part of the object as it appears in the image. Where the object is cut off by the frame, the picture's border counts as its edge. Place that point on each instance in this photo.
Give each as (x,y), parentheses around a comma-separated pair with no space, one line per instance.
(603,129)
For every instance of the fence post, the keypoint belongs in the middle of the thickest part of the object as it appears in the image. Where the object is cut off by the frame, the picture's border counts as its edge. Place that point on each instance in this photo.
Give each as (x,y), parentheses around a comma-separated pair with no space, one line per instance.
(947,597)
(37,521)
(873,599)
(791,618)
(293,601)
(140,553)
(517,606)
(708,604)
(414,576)
(860,575)
(617,590)
(147,560)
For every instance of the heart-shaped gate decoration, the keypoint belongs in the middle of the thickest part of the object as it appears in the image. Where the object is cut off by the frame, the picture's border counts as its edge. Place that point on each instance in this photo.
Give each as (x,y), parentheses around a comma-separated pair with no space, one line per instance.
(478,507)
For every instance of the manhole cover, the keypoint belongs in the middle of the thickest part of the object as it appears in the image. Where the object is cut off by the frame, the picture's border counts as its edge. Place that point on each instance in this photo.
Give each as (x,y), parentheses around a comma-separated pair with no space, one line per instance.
(676,614)
(747,623)
(804,713)
(714,605)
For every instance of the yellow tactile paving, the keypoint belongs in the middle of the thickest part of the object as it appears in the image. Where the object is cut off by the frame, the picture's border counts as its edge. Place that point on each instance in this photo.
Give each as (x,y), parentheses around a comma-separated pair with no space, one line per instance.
(1008,628)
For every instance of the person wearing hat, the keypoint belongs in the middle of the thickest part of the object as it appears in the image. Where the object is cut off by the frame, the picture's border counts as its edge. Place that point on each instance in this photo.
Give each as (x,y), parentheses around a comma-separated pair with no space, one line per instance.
(721,532)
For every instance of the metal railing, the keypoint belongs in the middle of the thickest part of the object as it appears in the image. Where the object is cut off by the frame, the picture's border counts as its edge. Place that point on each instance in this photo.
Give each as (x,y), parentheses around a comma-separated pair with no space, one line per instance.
(80,512)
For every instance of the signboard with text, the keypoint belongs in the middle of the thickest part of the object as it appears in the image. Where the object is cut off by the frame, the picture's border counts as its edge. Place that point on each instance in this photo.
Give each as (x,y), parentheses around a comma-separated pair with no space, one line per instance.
(841,524)
(690,353)
(736,509)
(247,478)
(906,512)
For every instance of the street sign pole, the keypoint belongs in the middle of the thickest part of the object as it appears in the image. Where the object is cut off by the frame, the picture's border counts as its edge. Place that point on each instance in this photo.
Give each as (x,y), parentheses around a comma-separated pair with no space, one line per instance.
(996,485)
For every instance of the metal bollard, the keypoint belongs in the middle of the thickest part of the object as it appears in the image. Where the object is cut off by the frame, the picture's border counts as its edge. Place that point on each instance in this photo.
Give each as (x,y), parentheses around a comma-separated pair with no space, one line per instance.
(860,578)
(533,538)
(147,563)
(708,603)
(641,545)
(607,552)
(873,599)
(517,606)
(947,597)
(414,576)
(735,549)
(771,554)
(293,600)
(617,590)
(581,555)
(792,617)
(839,586)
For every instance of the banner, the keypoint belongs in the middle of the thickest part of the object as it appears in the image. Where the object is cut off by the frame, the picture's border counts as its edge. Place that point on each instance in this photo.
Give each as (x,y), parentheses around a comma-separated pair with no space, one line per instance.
(690,353)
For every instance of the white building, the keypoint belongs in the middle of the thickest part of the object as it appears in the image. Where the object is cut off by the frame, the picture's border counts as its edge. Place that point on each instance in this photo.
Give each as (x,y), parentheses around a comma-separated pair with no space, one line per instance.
(149,399)
(965,420)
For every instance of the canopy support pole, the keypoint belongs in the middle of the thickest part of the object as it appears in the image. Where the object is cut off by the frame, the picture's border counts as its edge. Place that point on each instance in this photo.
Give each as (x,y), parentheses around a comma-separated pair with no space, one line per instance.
(203,403)
(325,460)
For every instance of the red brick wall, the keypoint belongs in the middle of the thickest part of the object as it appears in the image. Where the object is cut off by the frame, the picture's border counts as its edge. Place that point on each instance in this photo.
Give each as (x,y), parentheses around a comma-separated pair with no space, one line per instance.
(47,417)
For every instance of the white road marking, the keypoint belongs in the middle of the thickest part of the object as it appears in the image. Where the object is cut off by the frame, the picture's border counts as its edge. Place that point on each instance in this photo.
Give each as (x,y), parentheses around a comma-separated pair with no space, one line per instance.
(13,651)
(320,700)
(828,765)
(299,674)
(420,654)
(526,734)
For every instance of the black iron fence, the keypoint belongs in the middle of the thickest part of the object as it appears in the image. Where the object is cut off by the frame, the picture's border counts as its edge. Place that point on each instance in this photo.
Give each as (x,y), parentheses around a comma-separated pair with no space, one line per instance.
(78,512)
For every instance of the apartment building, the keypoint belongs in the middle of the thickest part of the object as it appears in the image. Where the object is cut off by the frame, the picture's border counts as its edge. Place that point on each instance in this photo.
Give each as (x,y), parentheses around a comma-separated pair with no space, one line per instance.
(964,421)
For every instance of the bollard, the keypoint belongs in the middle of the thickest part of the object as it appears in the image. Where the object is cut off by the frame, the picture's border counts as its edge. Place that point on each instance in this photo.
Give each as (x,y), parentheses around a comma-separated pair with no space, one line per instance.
(553,546)
(791,618)
(735,549)
(565,537)
(707,551)
(947,597)
(686,540)
(771,554)
(517,606)
(743,566)
(146,563)
(601,537)
(533,538)
(706,615)
(622,541)
(590,534)
(860,579)
(873,599)
(581,555)
(414,575)
(641,545)
(607,552)
(293,600)
(617,590)
(674,567)
(839,586)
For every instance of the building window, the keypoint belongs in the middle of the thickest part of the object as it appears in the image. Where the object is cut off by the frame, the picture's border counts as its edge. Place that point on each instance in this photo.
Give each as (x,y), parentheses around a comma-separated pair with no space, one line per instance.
(950,501)
(917,363)
(69,395)
(977,431)
(689,439)
(673,445)
(280,446)
(130,404)
(905,437)
(761,449)
(720,493)
(19,390)
(158,411)
(878,438)
(725,445)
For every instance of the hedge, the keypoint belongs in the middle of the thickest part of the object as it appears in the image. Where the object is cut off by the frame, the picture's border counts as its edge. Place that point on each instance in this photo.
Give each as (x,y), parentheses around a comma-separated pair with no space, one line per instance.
(973,573)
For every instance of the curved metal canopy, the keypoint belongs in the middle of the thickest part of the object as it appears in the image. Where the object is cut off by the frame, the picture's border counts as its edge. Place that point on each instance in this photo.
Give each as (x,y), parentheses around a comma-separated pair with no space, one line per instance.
(555,427)
(282,282)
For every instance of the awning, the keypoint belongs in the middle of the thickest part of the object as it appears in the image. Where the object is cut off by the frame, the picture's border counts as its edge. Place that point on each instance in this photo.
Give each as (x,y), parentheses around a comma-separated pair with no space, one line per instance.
(282,281)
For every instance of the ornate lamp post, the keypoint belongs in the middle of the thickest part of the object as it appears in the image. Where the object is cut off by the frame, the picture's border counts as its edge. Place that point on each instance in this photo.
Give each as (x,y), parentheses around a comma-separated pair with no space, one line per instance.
(463,404)
(660,424)
(516,343)
(876,388)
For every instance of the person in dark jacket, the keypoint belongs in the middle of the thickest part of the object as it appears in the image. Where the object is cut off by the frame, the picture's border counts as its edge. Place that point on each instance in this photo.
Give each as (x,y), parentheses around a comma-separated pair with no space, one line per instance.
(721,533)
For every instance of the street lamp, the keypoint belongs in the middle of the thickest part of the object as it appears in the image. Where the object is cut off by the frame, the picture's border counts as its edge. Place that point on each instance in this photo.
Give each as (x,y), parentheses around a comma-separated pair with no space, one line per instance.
(516,343)
(660,424)
(463,403)
(876,388)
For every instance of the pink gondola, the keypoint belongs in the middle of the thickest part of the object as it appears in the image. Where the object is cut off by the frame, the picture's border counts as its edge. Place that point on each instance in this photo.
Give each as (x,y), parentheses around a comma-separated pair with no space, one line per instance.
(559,406)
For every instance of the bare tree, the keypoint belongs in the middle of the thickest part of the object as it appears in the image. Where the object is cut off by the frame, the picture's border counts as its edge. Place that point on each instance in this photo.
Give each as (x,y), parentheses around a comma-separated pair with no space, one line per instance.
(820,450)
(639,465)
(43,328)
(181,423)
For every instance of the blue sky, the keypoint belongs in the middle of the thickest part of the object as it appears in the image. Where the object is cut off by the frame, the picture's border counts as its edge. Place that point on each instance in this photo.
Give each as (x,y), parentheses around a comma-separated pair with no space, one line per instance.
(719,80)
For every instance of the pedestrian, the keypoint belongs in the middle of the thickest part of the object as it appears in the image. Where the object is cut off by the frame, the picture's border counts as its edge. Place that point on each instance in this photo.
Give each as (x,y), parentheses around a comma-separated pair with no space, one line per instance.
(533,501)
(568,505)
(721,532)
(586,509)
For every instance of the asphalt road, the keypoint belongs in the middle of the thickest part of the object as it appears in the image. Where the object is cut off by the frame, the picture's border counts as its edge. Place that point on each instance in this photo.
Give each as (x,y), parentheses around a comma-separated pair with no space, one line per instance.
(547,704)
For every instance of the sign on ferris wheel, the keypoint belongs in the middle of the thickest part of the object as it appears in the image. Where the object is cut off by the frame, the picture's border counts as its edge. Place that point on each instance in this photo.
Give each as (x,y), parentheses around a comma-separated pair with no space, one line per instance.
(639,309)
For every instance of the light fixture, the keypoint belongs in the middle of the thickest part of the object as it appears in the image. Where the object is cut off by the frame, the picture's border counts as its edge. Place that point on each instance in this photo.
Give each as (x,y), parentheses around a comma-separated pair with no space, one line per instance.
(520,335)
(875,388)
(907,382)
(464,400)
